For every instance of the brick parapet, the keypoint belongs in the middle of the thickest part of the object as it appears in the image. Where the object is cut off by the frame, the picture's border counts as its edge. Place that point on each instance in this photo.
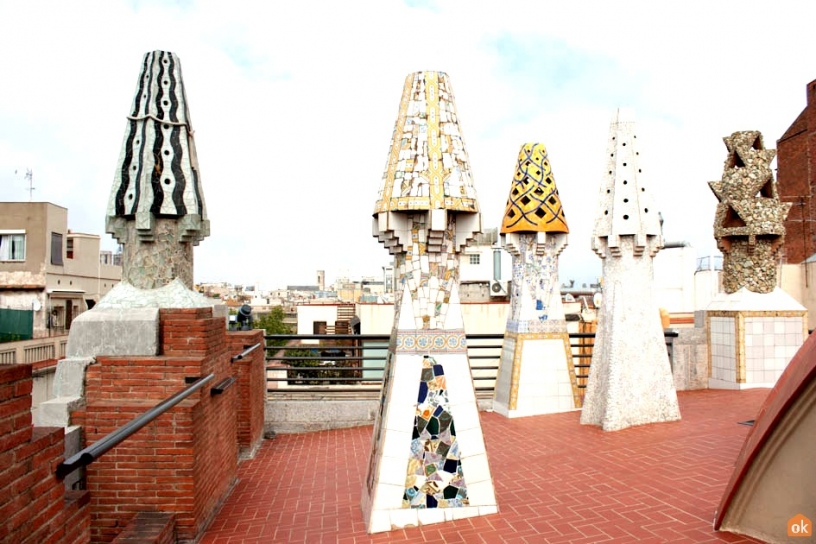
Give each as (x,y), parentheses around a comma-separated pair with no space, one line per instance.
(250,373)
(185,461)
(34,505)
(149,528)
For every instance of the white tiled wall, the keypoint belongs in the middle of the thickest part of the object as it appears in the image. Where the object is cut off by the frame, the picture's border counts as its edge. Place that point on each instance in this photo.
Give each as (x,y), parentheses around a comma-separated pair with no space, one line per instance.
(770,343)
(723,348)
(545,385)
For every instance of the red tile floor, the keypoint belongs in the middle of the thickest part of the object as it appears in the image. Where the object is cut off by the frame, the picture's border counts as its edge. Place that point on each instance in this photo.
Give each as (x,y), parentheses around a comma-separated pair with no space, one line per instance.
(555,480)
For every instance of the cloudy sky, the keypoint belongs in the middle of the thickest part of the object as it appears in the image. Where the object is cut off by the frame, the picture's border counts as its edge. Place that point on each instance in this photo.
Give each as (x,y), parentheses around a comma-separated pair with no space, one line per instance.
(294,103)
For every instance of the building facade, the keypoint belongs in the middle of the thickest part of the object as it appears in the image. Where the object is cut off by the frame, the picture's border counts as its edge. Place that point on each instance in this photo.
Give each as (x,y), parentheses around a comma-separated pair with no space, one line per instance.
(796,181)
(49,270)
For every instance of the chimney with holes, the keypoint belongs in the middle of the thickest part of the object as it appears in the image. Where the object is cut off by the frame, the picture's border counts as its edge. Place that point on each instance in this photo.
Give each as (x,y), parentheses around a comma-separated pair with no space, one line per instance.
(630,378)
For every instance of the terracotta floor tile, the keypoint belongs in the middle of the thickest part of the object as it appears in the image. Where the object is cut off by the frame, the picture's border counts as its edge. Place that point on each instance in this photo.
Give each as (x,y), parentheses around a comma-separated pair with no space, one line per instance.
(555,480)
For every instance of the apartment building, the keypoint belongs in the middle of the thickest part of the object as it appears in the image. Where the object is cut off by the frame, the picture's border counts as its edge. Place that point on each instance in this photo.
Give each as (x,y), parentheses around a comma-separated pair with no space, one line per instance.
(47,269)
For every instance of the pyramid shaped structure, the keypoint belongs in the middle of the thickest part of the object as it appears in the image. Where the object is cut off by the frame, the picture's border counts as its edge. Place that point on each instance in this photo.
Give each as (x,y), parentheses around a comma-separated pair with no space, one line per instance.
(428,462)
(630,380)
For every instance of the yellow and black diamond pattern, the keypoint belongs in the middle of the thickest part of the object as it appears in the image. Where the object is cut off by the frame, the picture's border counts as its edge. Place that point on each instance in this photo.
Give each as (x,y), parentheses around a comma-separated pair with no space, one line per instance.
(534,204)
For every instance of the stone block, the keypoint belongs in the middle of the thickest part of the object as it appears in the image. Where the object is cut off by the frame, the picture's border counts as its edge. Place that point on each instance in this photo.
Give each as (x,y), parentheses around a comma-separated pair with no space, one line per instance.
(690,359)
(69,379)
(115,331)
(57,412)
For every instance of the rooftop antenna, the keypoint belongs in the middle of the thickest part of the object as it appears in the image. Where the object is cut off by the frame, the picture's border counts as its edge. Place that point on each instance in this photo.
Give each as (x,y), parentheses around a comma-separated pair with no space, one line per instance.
(30,177)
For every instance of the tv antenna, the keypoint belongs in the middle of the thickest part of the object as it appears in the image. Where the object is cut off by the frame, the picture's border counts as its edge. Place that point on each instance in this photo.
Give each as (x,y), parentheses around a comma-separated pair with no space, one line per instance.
(30,177)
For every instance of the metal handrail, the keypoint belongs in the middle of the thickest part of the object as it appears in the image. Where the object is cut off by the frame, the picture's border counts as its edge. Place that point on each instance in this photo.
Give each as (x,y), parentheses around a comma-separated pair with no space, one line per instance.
(93,452)
(245,352)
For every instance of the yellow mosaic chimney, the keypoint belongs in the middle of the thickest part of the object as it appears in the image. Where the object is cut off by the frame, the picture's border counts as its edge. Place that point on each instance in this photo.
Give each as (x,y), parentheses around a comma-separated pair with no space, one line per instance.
(534,204)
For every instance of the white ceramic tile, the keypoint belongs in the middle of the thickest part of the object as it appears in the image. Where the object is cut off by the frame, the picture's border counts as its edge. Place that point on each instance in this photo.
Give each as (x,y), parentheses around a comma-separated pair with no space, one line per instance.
(465,416)
(397,443)
(387,496)
(427,516)
(488,510)
(475,468)
(481,493)
(393,471)
(404,517)
(471,442)
(379,522)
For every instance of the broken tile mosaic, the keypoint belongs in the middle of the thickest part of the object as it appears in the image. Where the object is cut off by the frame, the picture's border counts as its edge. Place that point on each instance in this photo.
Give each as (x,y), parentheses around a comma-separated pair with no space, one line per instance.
(434,478)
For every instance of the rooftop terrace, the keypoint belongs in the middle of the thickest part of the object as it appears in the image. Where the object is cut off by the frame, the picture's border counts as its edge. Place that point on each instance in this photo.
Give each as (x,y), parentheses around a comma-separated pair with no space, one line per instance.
(555,480)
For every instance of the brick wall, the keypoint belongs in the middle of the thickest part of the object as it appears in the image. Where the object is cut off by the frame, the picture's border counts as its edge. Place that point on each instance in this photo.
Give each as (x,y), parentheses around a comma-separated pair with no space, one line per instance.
(796,181)
(149,528)
(184,462)
(34,506)
(251,374)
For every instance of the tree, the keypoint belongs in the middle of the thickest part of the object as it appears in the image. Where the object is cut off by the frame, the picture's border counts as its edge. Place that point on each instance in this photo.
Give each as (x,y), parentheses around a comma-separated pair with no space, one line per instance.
(273,323)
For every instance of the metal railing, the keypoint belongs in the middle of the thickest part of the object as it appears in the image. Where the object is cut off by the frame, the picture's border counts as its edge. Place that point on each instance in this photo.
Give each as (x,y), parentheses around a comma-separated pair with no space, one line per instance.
(93,452)
(327,376)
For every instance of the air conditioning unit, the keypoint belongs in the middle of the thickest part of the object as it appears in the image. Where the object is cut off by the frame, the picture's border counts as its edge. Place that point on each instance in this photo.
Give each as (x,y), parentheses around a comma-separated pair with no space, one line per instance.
(498,288)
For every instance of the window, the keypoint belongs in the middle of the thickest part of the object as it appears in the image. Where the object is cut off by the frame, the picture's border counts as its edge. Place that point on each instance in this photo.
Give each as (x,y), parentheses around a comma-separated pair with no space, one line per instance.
(475,259)
(12,245)
(319,327)
(69,248)
(56,248)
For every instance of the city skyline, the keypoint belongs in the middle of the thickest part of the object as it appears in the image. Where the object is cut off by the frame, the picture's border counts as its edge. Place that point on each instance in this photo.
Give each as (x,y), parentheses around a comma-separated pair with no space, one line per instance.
(294,107)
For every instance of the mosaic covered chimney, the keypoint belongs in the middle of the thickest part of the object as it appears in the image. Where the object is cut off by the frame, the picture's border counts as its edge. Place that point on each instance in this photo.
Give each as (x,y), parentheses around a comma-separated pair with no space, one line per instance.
(750,223)
(630,380)
(428,462)
(156,208)
(536,374)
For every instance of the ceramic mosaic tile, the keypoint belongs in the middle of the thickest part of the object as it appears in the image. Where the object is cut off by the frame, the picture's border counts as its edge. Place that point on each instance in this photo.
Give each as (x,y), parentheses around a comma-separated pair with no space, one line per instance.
(423,341)
(158,168)
(536,357)
(434,478)
(427,166)
(426,213)
(630,380)
(156,207)
(752,348)
(533,204)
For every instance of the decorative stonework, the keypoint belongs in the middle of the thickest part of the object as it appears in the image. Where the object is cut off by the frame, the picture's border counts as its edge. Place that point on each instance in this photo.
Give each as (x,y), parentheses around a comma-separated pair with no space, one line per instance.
(630,380)
(156,197)
(425,215)
(151,263)
(749,223)
(536,374)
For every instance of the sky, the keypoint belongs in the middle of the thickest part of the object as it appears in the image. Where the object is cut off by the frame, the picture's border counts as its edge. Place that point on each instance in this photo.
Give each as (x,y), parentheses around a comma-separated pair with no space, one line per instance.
(293,105)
